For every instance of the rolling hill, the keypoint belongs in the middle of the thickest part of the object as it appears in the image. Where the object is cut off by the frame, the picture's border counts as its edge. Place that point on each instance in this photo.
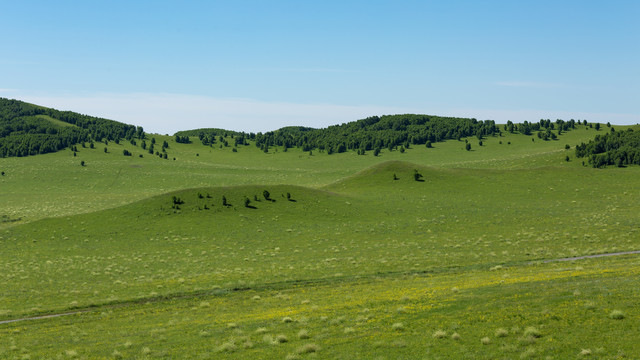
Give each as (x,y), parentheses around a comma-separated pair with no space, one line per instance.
(335,254)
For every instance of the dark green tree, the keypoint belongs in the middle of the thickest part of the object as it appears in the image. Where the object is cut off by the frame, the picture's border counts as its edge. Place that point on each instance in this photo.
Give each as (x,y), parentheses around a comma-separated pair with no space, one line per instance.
(416,175)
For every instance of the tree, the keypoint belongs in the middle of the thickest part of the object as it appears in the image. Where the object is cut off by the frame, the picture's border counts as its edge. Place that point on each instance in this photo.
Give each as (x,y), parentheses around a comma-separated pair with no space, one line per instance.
(416,175)
(82,163)
(597,126)
(267,195)
(247,202)
(105,150)
(224,201)
(468,147)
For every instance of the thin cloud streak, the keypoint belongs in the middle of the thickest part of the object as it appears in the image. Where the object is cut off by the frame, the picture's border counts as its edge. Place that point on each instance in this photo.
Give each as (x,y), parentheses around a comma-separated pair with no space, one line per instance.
(528,84)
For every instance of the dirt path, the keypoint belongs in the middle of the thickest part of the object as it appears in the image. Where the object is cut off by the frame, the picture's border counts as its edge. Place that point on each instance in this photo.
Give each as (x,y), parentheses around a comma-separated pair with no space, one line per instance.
(544,261)
(44,316)
(593,256)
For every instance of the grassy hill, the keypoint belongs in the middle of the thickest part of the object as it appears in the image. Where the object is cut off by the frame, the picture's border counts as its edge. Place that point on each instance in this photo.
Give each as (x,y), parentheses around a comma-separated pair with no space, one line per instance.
(348,257)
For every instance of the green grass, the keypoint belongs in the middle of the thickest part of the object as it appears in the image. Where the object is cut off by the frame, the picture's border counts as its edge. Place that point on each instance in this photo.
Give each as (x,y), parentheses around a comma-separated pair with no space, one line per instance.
(353,254)
(55,121)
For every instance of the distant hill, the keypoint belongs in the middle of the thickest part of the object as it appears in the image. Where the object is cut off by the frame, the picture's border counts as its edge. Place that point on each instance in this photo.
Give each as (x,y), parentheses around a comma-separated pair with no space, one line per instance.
(393,131)
(619,148)
(27,129)
(379,132)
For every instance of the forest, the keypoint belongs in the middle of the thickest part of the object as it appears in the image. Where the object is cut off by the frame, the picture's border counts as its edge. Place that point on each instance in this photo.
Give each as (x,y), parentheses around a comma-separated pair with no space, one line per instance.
(27,129)
(619,148)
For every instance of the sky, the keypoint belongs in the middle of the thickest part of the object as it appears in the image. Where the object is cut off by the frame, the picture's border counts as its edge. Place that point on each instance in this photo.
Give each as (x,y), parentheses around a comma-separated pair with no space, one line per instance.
(260,65)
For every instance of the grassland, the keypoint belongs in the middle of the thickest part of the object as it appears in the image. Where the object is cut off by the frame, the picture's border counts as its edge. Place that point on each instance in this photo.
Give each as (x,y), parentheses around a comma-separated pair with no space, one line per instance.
(354,265)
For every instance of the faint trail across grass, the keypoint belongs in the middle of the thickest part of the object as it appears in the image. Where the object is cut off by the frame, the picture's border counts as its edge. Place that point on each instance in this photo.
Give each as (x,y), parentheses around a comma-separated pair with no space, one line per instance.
(593,256)
(316,281)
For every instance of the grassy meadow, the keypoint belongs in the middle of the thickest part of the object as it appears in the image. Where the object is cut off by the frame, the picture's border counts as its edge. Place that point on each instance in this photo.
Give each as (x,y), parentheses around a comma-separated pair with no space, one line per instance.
(347,258)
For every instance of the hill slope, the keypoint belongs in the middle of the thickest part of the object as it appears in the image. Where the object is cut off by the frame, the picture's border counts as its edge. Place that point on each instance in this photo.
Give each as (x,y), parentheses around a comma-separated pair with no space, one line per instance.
(27,129)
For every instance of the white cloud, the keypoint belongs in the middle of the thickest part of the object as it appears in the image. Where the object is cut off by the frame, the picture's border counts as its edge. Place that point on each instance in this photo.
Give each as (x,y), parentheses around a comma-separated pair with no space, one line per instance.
(168,113)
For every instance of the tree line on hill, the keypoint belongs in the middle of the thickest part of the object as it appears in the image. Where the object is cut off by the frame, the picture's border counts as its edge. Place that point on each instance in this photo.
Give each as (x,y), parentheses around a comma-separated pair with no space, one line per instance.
(377,132)
(619,148)
(24,131)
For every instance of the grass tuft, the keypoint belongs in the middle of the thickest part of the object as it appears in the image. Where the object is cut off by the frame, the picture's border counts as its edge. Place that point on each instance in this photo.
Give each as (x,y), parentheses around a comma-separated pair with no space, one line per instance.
(531,331)
(308,349)
(616,315)
(439,334)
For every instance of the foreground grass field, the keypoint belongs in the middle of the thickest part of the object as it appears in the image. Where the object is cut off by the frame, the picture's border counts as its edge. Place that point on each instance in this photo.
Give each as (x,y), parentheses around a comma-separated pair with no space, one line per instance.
(338,261)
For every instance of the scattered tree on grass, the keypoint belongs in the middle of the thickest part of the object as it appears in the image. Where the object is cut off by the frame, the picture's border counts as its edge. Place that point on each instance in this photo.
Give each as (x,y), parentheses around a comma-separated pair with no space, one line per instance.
(224,201)
(247,202)
(416,175)
(467,147)
(266,195)
(126,152)
(82,163)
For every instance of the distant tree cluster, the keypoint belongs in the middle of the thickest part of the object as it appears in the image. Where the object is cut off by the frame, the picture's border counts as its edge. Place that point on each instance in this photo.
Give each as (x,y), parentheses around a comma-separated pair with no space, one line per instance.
(544,125)
(25,129)
(377,133)
(617,148)
(205,202)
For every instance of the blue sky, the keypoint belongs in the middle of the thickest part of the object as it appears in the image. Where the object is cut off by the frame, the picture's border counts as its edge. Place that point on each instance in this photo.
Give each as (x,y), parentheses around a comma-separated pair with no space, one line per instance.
(260,65)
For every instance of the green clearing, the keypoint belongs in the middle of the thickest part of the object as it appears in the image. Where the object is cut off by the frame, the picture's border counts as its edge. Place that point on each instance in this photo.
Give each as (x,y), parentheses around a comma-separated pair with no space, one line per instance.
(354,265)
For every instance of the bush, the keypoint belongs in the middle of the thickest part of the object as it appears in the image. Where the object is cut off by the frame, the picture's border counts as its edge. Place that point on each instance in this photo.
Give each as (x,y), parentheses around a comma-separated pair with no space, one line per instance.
(616,315)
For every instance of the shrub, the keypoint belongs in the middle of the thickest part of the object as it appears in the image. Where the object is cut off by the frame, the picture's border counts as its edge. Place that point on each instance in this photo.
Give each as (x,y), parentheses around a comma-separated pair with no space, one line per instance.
(439,334)
(485,340)
(616,315)
(455,336)
(532,331)
(398,326)
(303,334)
(281,339)
(308,348)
